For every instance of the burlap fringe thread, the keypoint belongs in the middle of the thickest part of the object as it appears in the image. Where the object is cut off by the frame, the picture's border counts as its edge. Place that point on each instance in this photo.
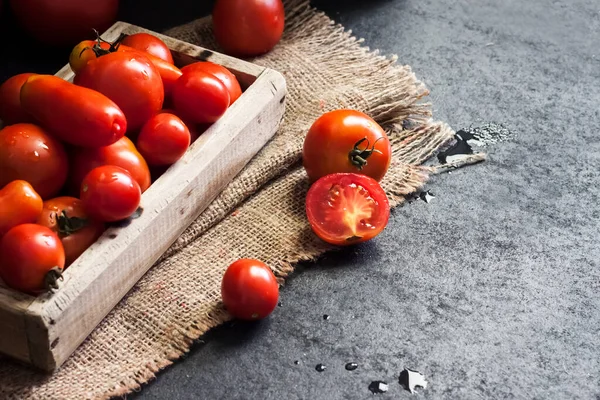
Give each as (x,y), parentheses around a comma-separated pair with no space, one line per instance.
(259,215)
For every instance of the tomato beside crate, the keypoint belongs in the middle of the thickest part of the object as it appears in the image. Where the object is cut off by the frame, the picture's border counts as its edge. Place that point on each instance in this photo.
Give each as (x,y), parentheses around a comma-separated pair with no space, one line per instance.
(43,328)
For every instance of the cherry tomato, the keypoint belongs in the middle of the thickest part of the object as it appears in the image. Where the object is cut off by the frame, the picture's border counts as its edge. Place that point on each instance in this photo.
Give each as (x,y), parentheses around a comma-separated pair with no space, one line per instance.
(73,114)
(246,28)
(19,204)
(31,258)
(122,153)
(64,22)
(11,111)
(249,290)
(149,44)
(346,208)
(224,75)
(200,97)
(164,139)
(109,193)
(66,217)
(83,52)
(346,141)
(29,153)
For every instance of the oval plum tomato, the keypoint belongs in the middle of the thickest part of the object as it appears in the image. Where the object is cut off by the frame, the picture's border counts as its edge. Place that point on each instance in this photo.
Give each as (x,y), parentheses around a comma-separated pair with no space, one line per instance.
(31,258)
(64,22)
(19,204)
(74,114)
(130,80)
(11,111)
(249,290)
(345,209)
(164,139)
(200,97)
(246,28)
(224,75)
(29,153)
(122,153)
(66,217)
(149,44)
(109,193)
(346,141)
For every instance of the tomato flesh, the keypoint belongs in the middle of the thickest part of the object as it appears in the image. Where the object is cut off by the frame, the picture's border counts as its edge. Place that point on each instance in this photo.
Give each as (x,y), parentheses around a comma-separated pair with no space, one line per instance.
(347,208)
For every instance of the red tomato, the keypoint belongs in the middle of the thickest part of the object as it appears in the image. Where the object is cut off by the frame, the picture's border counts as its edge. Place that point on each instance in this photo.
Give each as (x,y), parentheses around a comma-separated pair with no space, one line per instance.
(109,193)
(66,217)
(249,290)
(29,153)
(83,52)
(200,97)
(73,114)
(345,209)
(130,80)
(164,139)
(64,22)
(346,141)
(248,28)
(149,44)
(31,258)
(224,75)
(19,204)
(122,153)
(11,111)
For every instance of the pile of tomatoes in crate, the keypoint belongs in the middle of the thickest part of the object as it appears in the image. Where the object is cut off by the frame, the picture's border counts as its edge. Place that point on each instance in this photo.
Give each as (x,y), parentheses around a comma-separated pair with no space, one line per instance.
(75,157)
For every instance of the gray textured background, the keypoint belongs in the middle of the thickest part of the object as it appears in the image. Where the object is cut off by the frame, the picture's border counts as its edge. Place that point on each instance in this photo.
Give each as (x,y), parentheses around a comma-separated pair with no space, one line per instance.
(492,289)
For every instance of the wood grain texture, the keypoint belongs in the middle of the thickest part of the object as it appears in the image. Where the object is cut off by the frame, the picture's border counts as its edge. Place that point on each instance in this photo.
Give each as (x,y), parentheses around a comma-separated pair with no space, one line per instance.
(55,324)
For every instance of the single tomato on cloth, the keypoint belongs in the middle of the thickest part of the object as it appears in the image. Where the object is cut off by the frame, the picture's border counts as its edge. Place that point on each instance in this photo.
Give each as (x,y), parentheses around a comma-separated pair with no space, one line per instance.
(346,208)
(200,97)
(11,111)
(249,290)
(346,141)
(224,75)
(29,153)
(164,139)
(149,44)
(66,217)
(19,204)
(32,258)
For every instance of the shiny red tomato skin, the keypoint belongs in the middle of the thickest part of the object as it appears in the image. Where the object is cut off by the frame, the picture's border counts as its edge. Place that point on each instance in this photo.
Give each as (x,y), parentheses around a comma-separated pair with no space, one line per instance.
(19,204)
(224,75)
(64,22)
(200,97)
(332,138)
(29,153)
(164,139)
(246,28)
(130,80)
(347,208)
(150,44)
(11,111)
(28,252)
(110,194)
(249,290)
(123,153)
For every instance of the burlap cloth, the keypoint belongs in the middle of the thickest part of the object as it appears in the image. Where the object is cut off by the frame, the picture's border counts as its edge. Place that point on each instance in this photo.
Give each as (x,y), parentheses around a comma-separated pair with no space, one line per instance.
(259,215)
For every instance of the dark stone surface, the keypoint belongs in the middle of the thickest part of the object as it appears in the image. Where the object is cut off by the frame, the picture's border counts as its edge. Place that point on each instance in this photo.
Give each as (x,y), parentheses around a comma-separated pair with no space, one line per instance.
(492,289)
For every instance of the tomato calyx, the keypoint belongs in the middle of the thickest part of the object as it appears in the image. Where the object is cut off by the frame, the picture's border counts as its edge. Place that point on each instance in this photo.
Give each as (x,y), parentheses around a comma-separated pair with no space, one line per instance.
(99,50)
(52,277)
(358,157)
(69,225)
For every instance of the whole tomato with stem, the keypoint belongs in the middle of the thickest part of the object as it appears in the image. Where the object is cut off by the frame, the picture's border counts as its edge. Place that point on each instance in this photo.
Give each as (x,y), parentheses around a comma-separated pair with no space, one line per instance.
(11,111)
(29,153)
(109,193)
(222,73)
(346,208)
(66,217)
(130,80)
(32,259)
(164,139)
(19,204)
(346,141)
(249,290)
(150,44)
(200,97)
(85,51)
(246,28)
(122,153)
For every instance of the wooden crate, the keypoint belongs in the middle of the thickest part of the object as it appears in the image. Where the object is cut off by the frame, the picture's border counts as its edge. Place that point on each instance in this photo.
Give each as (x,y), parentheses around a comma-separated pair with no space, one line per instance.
(46,330)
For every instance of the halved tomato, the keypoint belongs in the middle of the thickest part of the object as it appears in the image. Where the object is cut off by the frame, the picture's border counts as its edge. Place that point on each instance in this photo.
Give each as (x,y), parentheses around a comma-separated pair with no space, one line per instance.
(347,208)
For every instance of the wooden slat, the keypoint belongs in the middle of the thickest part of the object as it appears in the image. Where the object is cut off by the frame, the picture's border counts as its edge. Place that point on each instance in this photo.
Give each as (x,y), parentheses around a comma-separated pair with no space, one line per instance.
(13,332)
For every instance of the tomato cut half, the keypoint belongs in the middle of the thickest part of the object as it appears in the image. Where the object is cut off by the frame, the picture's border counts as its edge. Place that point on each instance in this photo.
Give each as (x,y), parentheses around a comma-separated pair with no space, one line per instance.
(347,208)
